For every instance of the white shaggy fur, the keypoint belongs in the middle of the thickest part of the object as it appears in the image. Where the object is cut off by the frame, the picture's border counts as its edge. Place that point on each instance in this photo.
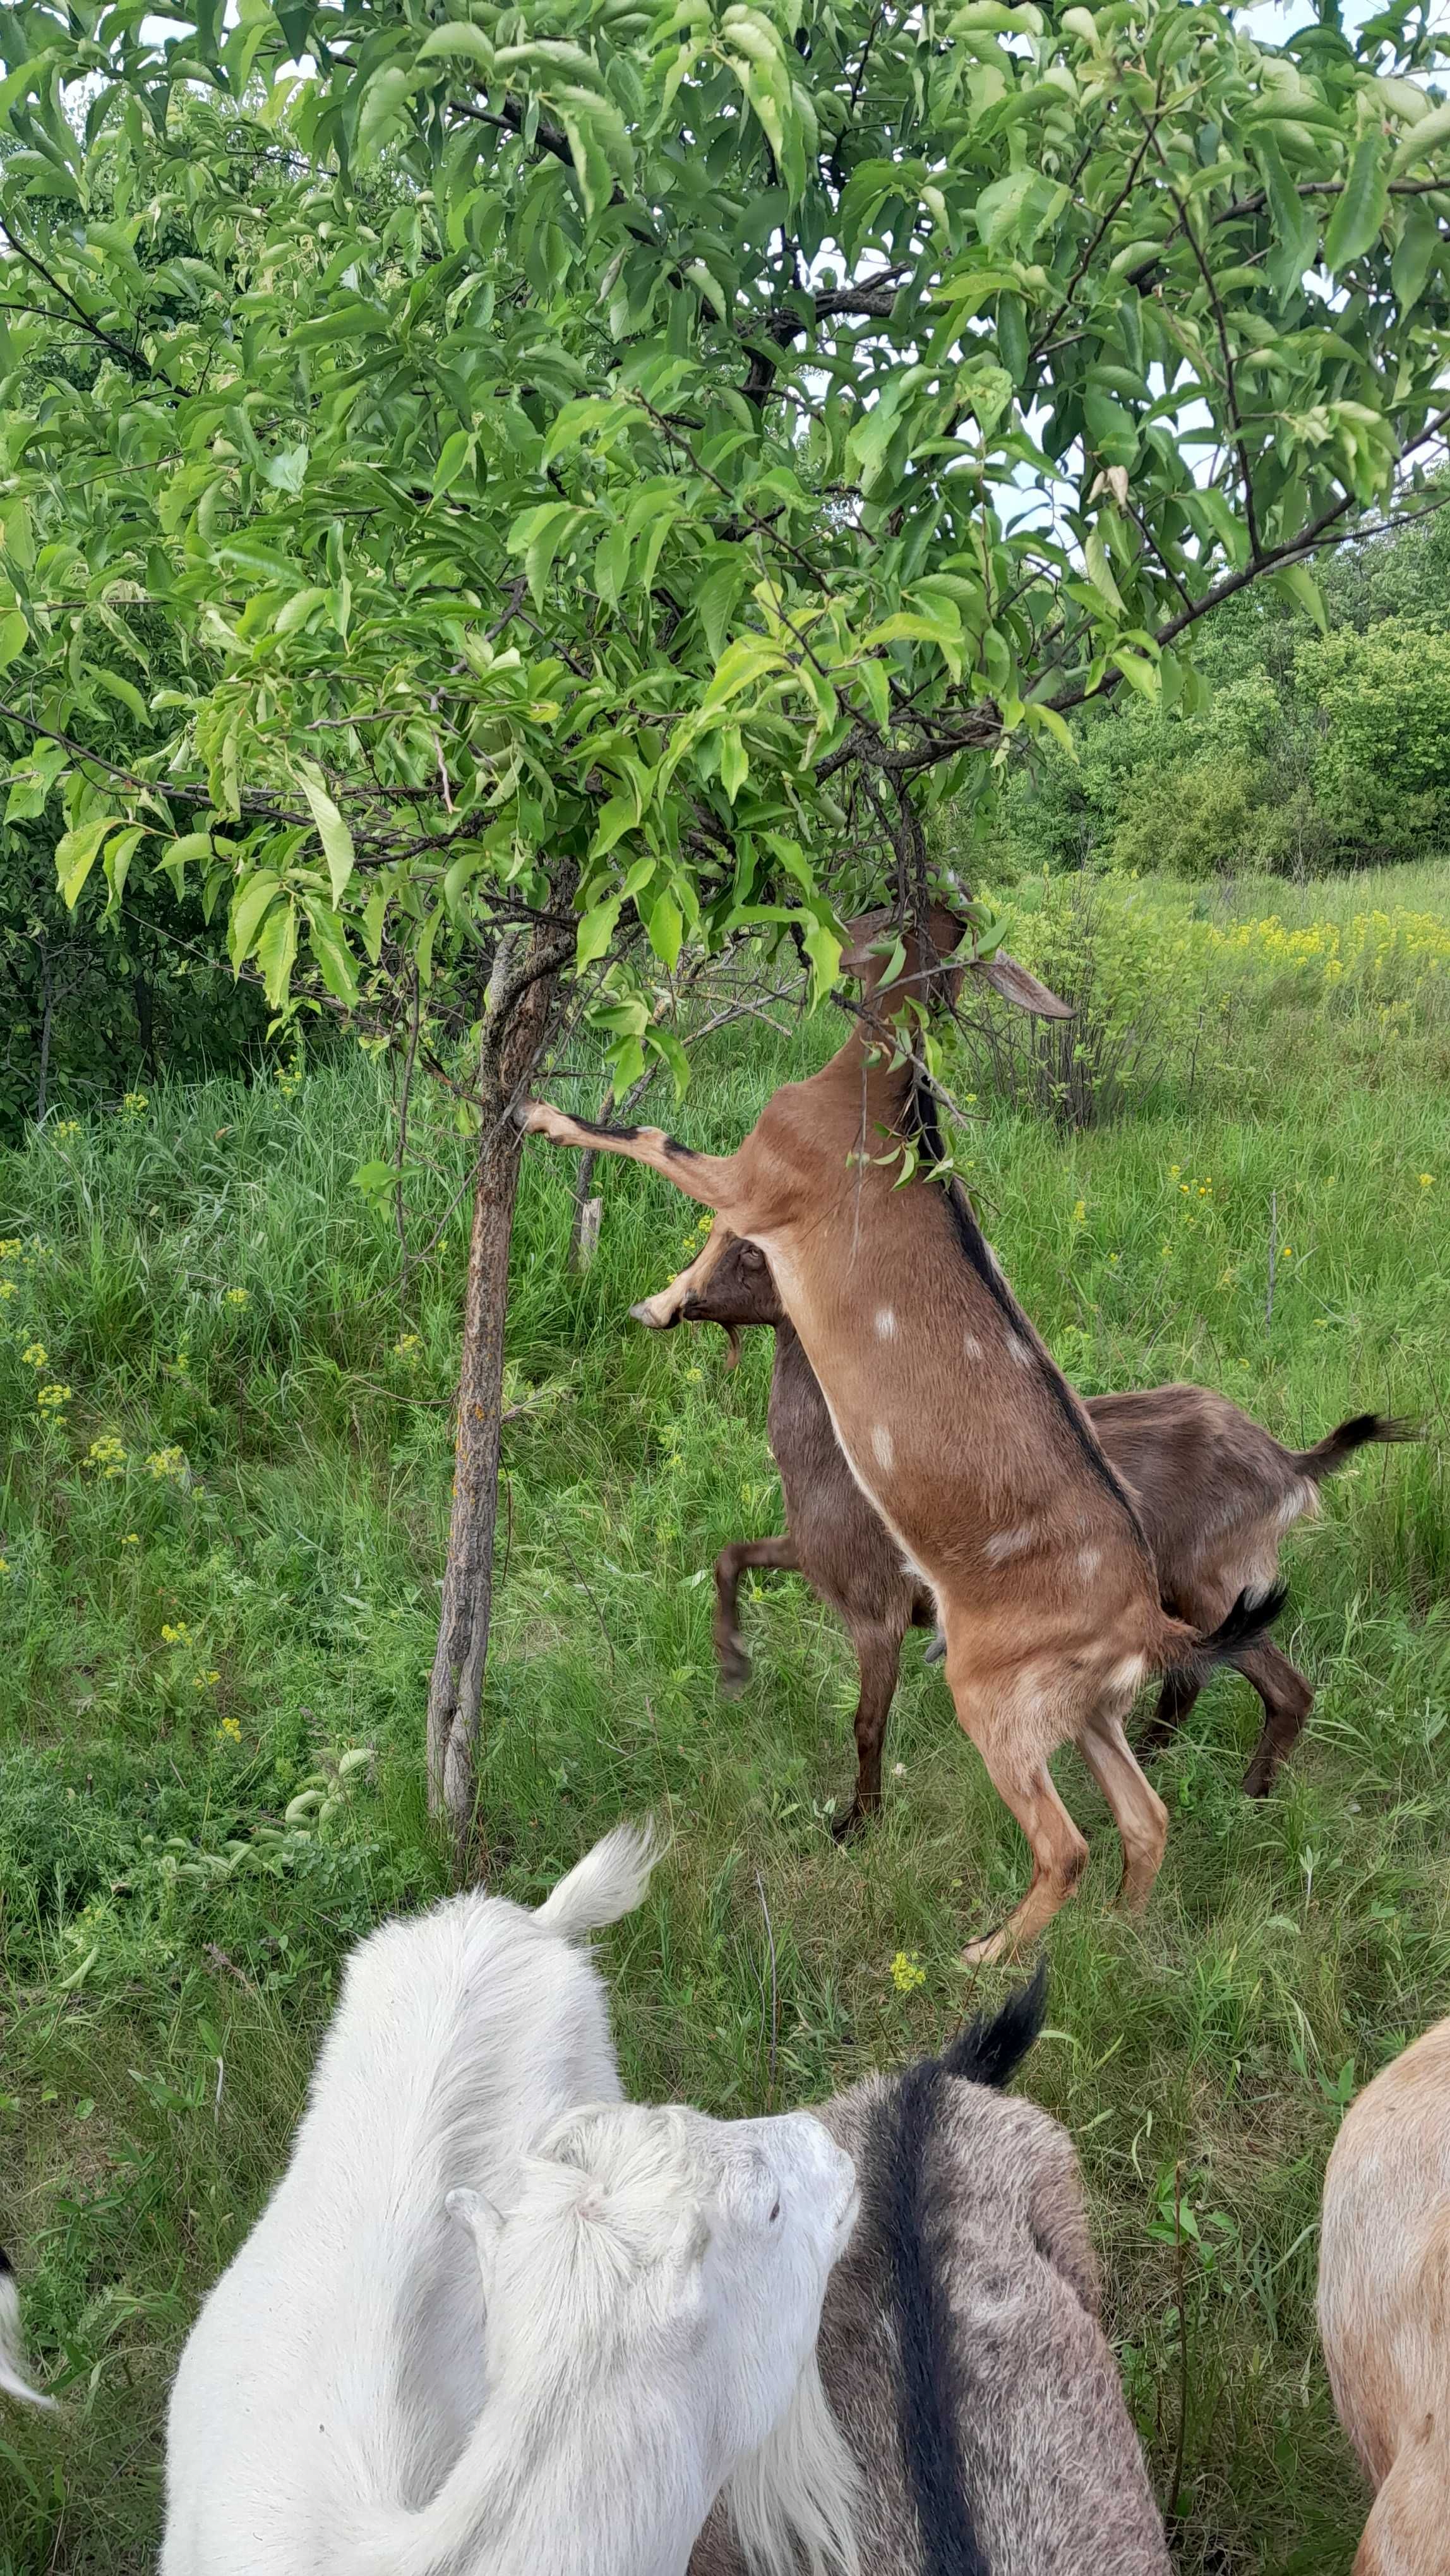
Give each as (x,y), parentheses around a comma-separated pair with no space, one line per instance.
(460,2037)
(364,2394)
(11,2348)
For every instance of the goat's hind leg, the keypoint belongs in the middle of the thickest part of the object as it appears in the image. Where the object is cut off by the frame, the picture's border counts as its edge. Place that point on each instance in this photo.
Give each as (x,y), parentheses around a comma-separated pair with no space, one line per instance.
(1287,1700)
(878,1654)
(1138,1811)
(1016,1760)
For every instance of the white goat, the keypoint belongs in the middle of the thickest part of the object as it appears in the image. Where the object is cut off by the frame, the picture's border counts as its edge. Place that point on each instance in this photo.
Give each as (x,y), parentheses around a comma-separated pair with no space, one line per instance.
(11,2349)
(335,2408)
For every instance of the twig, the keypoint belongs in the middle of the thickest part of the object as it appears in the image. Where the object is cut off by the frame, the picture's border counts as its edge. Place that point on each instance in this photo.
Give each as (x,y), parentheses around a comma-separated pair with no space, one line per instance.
(1171,2506)
(774,2010)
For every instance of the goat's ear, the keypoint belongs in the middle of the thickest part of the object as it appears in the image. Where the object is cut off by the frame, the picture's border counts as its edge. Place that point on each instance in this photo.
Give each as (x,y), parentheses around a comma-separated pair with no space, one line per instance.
(1022,989)
(484,2223)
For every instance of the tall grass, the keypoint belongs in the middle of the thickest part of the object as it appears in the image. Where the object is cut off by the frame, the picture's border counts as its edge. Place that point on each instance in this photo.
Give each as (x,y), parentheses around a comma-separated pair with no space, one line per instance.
(222,1549)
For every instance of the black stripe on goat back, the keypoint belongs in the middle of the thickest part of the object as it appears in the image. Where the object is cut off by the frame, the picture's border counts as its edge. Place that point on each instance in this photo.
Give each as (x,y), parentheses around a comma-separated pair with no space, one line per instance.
(933,2380)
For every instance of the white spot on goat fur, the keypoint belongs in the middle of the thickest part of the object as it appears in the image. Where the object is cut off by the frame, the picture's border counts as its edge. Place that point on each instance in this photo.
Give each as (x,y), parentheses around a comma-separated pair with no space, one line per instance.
(1005,1543)
(1018,1350)
(886,1323)
(1300,1499)
(971,1346)
(1126,1676)
(883,1444)
(1088,1561)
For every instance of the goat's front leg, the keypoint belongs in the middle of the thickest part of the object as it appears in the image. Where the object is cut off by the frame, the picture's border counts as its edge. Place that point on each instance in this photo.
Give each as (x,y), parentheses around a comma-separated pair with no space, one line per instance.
(778,1556)
(713,1179)
(667,1304)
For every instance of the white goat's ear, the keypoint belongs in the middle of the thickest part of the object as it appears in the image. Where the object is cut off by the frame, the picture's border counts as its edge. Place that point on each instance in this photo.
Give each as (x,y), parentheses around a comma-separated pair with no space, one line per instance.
(484,2223)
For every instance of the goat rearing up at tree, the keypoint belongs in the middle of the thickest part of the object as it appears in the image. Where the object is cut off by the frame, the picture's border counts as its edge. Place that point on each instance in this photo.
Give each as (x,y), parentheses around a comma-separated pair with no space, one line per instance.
(957,1424)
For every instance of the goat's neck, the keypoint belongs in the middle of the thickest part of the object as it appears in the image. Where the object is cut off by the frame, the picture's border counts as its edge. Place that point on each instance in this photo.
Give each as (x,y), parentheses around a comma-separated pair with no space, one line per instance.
(551,2482)
(870,1074)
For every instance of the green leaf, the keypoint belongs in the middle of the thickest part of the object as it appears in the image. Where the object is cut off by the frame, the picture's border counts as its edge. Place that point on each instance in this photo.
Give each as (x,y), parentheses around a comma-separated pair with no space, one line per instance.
(460,41)
(276,950)
(328,942)
(1415,252)
(746,660)
(1298,583)
(76,855)
(249,908)
(597,929)
(1095,557)
(454,457)
(124,690)
(734,761)
(336,838)
(1362,207)
(14,636)
(1422,143)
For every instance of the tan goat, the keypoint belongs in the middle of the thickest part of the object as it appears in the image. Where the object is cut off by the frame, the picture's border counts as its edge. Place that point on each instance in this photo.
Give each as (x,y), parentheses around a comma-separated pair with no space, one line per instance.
(1384,2304)
(957,1424)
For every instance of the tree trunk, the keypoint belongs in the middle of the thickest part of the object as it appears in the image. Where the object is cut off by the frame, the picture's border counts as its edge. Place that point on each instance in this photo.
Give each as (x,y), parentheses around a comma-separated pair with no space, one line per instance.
(520,1006)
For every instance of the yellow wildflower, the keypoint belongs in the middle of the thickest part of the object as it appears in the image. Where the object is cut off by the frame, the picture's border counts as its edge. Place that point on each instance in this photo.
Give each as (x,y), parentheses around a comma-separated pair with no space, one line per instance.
(135,1104)
(1287,1253)
(907,1973)
(9,1246)
(238,1297)
(167,1462)
(4,1565)
(229,1729)
(51,1398)
(131,1539)
(7,1287)
(106,1455)
(35,1356)
(206,1681)
(1427,1180)
(1079,1213)
(405,1346)
(176,1636)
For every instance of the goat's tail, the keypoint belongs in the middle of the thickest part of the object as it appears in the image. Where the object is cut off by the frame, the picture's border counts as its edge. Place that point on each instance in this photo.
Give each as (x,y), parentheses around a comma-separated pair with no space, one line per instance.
(990,2049)
(1247,1625)
(11,2383)
(1327,1456)
(608,1882)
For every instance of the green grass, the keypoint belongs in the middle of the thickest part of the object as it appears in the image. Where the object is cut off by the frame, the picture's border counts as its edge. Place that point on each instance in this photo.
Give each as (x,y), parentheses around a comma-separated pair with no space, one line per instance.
(223,1303)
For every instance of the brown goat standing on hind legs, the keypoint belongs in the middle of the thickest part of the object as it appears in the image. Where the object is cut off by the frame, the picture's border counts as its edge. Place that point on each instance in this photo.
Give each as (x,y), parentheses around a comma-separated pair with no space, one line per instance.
(957,1423)
(1216,1492)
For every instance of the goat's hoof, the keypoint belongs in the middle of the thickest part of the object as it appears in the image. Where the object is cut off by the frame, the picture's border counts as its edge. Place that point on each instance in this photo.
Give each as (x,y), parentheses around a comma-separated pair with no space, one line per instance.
(991,1947)
(1258,1780)
(735,1670)
(844,1829)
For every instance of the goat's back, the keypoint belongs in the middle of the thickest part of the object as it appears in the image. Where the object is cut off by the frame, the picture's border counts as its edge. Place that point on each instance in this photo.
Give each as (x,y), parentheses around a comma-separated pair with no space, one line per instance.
(1215,1489)
(1384,2256)
(309,2375)
(1055,2479)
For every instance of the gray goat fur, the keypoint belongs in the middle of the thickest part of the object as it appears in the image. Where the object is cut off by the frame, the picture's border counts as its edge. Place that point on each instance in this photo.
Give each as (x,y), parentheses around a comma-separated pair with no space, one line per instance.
(1040,2442)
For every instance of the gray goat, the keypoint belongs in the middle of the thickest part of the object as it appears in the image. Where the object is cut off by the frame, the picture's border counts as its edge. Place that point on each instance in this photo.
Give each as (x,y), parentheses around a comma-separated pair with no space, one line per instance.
(961,2345)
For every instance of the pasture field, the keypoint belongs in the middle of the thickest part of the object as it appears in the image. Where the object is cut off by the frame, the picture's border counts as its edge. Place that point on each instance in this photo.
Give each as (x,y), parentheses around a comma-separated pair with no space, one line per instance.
(222,1519)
